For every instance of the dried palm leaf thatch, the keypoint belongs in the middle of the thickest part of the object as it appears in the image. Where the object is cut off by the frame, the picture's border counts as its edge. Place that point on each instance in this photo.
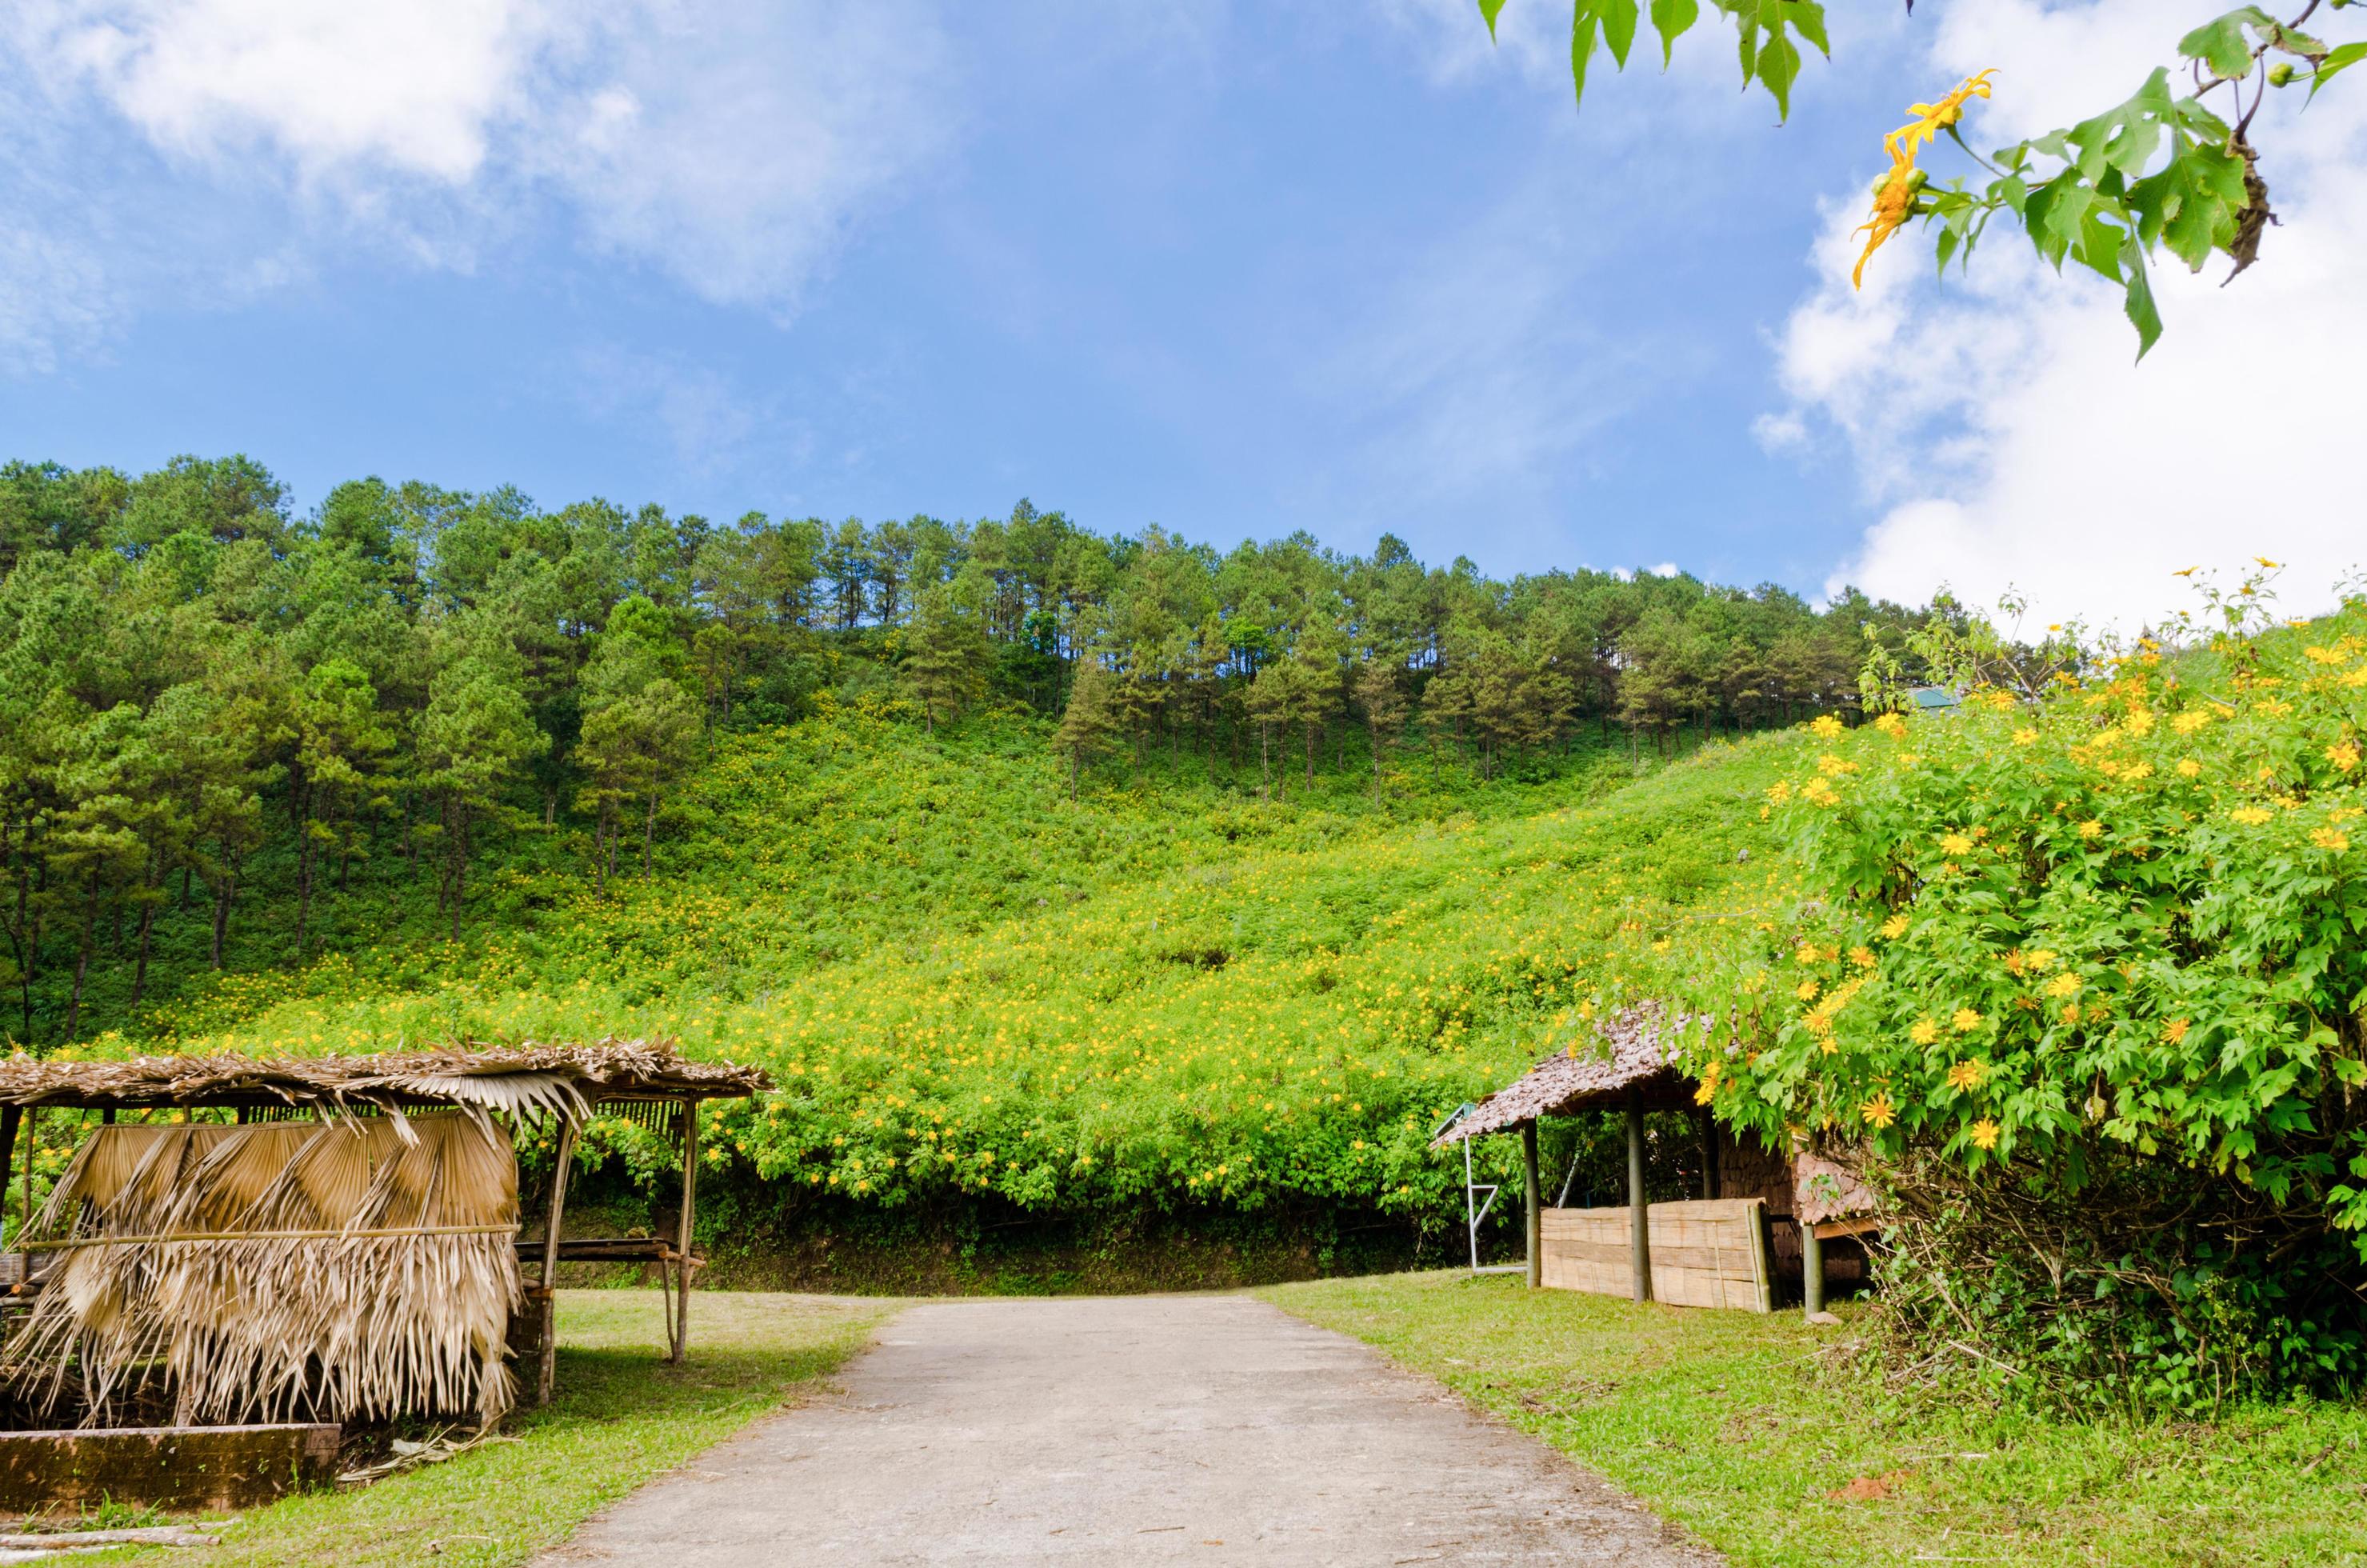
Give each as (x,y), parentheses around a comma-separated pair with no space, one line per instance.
(357,1267)
(530,1079)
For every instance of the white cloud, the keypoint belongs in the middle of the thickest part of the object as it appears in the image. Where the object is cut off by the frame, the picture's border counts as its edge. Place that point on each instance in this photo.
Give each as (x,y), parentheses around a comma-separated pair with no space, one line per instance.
(1999,421)
(729,146)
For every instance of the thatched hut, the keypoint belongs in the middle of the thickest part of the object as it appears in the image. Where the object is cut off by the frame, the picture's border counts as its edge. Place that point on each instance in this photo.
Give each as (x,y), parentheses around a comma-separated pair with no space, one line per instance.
(1762,1213)
(349,1247)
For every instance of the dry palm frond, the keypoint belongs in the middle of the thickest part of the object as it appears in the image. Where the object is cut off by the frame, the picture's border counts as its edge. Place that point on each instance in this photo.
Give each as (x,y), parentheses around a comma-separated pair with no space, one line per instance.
(252,1315)
(529,1079)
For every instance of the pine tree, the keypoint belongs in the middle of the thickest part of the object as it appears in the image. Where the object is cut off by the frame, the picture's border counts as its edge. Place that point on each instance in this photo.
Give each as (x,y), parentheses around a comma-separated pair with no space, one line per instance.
(945,655)
(1088,725)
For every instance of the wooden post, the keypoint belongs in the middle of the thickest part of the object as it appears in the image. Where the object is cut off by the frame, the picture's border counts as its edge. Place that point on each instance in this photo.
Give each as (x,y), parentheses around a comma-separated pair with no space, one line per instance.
(548,1368)
(1534,1200)
(1708,1125)
(10,1116)
(1638,1211)
(1812,1269)
(25,1224)
(681,1336)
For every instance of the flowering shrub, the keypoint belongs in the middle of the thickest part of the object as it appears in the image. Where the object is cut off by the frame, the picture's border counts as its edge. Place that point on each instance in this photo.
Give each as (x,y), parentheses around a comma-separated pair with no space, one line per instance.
(2105,949)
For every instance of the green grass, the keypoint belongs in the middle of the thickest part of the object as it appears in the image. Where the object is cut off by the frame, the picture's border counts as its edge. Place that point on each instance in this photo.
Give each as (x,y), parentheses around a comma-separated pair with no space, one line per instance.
(621,1417)
(1743,1429)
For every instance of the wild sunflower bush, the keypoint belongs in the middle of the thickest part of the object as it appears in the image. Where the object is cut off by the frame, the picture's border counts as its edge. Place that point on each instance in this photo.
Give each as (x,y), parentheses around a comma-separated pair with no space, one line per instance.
(2086,974)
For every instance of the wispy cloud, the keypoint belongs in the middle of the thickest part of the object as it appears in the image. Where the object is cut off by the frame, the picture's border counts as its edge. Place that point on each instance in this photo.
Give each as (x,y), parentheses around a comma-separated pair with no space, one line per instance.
(728,148)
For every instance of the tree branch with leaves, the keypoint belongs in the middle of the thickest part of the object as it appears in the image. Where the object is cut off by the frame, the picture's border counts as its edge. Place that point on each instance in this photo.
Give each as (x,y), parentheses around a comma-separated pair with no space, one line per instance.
(2162,170)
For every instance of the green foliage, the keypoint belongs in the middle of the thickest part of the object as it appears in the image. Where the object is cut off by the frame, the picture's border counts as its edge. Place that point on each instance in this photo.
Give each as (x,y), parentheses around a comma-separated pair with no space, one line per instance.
(2157,171)
(2106,942)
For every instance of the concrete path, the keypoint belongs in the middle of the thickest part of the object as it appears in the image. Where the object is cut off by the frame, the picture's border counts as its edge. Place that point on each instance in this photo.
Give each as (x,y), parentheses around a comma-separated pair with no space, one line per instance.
(1140,1429)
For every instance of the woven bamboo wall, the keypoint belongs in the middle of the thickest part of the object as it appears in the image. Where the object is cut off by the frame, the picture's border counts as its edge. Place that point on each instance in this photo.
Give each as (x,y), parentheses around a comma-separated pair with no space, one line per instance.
(1707,1252)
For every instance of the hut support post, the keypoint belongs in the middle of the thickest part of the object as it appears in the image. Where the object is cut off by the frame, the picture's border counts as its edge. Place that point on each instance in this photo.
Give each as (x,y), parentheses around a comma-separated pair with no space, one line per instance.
(25,1222)
(548,1369)
(681,1315)
(1812,1269)
(1638,1211)
(10,1116)
(1534,1198)
(1708,1125)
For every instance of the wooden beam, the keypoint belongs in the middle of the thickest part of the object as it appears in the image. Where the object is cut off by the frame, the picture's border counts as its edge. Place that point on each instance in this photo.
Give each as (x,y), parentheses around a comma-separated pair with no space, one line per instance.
(1639,1222)
(547,1371)
(25,1226)
(681,1336)
(1533,1197)
(1812,1270)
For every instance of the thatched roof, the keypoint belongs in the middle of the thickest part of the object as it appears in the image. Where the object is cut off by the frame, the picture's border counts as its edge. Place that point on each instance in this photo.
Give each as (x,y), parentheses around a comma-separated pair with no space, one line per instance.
(1634,1049)
(531,1078)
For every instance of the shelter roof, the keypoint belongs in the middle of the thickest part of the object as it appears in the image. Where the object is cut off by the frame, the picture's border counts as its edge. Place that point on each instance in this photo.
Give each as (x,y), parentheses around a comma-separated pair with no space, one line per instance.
(1635,1050)
(530,1078)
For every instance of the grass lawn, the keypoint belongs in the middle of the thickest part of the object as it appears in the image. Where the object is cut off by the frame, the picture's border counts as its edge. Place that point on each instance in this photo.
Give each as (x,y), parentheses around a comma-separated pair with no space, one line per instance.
(621,1417)
(1736,1426)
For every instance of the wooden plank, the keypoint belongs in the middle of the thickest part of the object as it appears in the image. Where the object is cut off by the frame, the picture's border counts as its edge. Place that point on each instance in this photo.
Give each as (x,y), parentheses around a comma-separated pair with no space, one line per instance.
(1704,1253)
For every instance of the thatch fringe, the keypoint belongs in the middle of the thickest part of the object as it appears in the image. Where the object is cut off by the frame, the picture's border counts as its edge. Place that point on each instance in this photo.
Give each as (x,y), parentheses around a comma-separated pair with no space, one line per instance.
(264,1326)
(530,1079)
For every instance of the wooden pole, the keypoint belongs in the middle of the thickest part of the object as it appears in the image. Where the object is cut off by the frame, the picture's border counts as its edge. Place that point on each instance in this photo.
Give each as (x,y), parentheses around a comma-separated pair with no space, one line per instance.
(1708,1126)
(10,1116)
(1534,1200)
(1812,1269)
(690,1212)
(25,1224)
(1638,1211)
(548,1368)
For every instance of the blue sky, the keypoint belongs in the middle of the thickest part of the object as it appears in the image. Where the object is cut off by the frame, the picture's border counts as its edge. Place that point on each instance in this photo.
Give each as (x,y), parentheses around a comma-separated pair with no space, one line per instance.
(1234,269)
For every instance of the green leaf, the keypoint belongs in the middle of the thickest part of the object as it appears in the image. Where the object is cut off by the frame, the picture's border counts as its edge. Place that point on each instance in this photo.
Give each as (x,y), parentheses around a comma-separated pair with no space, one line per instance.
(1673,19)
(1583,24)
(2334,65)
(2222,43)
(2193,205)
(1618,25)
(2143,312)
(1489,11)
(1764,45)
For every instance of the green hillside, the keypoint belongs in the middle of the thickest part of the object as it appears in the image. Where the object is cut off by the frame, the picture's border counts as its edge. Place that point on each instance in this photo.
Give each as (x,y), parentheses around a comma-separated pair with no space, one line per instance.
(1171,996)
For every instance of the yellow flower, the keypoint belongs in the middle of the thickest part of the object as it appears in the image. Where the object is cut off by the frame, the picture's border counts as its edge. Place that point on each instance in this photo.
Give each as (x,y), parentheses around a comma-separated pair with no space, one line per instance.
(2174,1031)
(2194,719)
(2070,1012)
(1967,1075)
(1807,990)
(2252,816)
(1808,953)
(1891,725)
(1984,1133)
(2091,829)
(2344,755)
(1825,725)
(2187,767)
(2040,958)
(2025,737)
(1966,1020)
(1895,192)
(1861,957)
(2062,985)
(1924,1031)
(2264,560)
(1878,1111)
(2326,838)
(1955,844)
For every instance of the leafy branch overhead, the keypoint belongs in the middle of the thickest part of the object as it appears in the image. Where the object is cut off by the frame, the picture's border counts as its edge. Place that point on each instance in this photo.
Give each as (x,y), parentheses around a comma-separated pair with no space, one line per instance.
(2162,170)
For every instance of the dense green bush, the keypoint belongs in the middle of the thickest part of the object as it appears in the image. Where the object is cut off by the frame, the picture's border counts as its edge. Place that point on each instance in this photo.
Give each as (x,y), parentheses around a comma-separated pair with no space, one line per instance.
(2086,971)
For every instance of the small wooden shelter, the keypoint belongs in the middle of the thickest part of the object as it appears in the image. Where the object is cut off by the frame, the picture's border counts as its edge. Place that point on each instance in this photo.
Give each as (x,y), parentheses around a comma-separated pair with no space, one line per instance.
(364,1208)
(1723,1249)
